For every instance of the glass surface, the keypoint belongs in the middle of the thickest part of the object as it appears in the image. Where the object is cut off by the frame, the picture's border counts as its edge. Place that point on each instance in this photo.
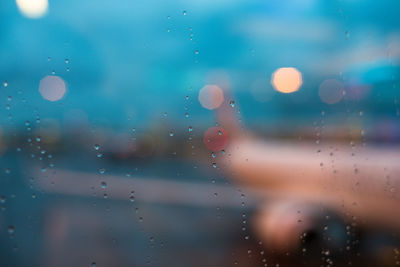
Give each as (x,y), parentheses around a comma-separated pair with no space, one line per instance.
(199,133)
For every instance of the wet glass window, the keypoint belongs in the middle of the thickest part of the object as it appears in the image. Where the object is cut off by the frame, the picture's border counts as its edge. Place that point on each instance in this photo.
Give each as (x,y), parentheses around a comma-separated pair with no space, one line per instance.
(199,133)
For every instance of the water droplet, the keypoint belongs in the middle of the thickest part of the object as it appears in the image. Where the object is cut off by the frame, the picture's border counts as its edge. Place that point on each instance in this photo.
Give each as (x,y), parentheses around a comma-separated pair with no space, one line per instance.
(96,147)
(196,52)
(171,133)
(184,12)
(5,83)
(190,129)
(66,61)
(103,185)
(102,170)
(232,103)
(11,229)
(132,196)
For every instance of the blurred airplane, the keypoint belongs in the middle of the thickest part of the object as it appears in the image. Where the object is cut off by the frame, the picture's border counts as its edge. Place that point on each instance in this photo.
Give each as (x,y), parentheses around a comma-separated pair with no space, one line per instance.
(358,183)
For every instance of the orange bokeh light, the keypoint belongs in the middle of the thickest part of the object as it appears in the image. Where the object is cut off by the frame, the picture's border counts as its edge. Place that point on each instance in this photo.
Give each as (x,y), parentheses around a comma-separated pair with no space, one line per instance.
(286,80)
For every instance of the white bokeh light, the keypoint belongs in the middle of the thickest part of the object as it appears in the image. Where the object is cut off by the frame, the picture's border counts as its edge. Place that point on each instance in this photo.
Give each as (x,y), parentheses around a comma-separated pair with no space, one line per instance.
(52,88)
(211,96)
(331,91)
(33,8)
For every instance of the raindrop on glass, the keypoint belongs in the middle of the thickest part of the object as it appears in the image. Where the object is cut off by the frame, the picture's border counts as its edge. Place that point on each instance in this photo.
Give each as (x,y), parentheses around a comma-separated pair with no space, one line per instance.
(132,196)
(347,34)
(11,229)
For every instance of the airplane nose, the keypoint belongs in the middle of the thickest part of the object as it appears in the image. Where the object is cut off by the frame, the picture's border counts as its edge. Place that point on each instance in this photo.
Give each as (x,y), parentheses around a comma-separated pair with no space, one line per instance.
(301,227)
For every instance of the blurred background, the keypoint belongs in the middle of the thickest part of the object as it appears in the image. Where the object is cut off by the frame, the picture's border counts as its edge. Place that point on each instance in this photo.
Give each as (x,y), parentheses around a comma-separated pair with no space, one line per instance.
(105,107)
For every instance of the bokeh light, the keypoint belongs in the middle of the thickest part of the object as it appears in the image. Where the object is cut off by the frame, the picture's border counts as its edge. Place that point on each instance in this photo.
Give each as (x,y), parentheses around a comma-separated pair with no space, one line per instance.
(33,8)
(286,80)
(216,138)
(331,91)
(52,88)
(211,96)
